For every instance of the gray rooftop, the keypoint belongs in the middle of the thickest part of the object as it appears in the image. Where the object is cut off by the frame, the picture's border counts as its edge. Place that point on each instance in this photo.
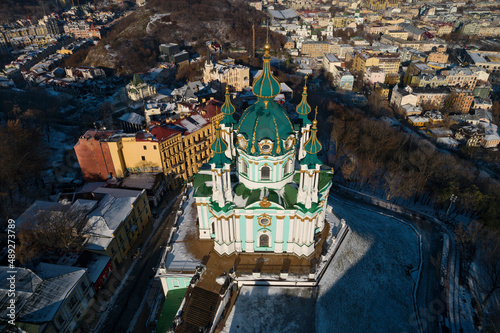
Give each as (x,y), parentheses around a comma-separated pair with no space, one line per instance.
(49,295)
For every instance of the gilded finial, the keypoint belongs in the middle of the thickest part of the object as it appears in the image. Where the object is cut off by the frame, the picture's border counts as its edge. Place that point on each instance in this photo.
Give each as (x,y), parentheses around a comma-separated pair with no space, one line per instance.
(227,88)
(217,124)
(315,122)
(305,83)
(267,38)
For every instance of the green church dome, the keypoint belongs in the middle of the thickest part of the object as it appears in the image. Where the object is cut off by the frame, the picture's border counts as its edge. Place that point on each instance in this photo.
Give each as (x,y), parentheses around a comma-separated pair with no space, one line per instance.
(312,147)
(266,85)
(219,147)
(264,128)
(228,110)
(265,120)
(303,109)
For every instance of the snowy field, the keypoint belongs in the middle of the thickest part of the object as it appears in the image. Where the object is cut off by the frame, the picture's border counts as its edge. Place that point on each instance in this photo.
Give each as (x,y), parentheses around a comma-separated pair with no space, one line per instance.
(273,310)
(366,288)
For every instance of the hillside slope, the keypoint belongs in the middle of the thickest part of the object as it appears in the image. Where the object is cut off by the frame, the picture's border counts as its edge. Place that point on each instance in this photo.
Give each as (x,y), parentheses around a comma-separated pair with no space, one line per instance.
(132,44)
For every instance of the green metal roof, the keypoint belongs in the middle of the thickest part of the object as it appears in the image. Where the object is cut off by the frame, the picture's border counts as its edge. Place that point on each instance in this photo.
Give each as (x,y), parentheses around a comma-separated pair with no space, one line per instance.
(266,85)
(200,185)
(170,307)
(303,109)
(136,80)
(219,147)
(312,148)
(228,110)
(286,198)
(265,120)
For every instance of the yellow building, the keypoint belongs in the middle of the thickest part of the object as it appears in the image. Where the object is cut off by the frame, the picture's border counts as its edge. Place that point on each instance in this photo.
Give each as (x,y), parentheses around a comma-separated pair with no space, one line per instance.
(397,34)
(418,121)
(134,153)
(315,49)
(177,147)
(388,62)
(185,143)
(116,223)
(339,21)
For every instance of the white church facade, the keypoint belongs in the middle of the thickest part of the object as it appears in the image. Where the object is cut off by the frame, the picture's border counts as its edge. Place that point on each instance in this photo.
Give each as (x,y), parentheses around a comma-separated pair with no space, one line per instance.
(265,189)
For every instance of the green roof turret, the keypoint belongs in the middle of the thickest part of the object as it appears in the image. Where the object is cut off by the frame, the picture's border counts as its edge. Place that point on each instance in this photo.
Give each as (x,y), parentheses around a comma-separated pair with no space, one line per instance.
(312,147)
(228,110)
(136,80)
(303,109)
(219,147)
(266,86)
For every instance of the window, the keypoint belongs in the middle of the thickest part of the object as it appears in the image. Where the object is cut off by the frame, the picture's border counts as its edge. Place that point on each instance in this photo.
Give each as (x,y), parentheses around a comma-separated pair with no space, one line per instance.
(288,167)
(143,158)
(60,320)
(264,240)
(145,148)
(176,283)
(244,167)
(264,221)
(265,173)
(154,147)
(72,302)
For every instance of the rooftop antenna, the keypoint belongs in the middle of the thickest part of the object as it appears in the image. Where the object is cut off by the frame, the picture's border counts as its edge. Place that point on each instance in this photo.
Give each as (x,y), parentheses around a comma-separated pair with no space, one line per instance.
(253,40)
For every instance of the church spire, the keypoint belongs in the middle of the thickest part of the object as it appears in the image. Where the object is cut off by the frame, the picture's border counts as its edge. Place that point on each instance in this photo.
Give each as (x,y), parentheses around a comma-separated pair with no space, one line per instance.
(312,147)
(219,147)
(266,86)
(303,109)
(228,110)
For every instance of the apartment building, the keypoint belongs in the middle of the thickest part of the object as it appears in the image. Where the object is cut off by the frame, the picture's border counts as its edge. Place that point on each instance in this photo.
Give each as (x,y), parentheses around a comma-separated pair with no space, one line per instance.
(116,223)
(388,62)
(315,49)
(462,100)
(225,72)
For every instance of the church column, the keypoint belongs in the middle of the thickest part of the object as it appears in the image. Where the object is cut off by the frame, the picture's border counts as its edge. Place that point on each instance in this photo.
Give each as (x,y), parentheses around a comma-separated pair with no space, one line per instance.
(217,230)
(225,231)
(310,230)
(231,229)
(249,226)
(301,231)
(251,170)
(291,231)
(296,230)
(278,248)
(238,232)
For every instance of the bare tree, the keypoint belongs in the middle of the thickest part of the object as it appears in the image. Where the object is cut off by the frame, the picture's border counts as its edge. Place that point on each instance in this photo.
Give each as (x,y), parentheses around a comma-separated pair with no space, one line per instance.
(52,230)
(489,260)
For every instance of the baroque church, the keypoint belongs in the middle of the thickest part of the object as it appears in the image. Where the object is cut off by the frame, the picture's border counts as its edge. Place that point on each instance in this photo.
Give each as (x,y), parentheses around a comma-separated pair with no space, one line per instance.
(265,189)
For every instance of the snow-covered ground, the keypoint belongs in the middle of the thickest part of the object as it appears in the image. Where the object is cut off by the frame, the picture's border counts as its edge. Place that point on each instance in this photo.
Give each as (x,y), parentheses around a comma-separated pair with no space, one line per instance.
(367,288)
(272,309)
(156,19)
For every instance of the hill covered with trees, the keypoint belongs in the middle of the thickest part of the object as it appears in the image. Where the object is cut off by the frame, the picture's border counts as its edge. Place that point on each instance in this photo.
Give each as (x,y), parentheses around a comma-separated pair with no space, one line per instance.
(132,44)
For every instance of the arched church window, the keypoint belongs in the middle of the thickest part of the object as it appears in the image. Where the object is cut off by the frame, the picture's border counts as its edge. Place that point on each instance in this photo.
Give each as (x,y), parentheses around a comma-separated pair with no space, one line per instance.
(288,167)
(244,167)
(265,173)
(264,240)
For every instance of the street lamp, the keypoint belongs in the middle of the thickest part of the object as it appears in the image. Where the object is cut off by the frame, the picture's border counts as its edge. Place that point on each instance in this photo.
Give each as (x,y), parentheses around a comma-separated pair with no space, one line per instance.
(453,198)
